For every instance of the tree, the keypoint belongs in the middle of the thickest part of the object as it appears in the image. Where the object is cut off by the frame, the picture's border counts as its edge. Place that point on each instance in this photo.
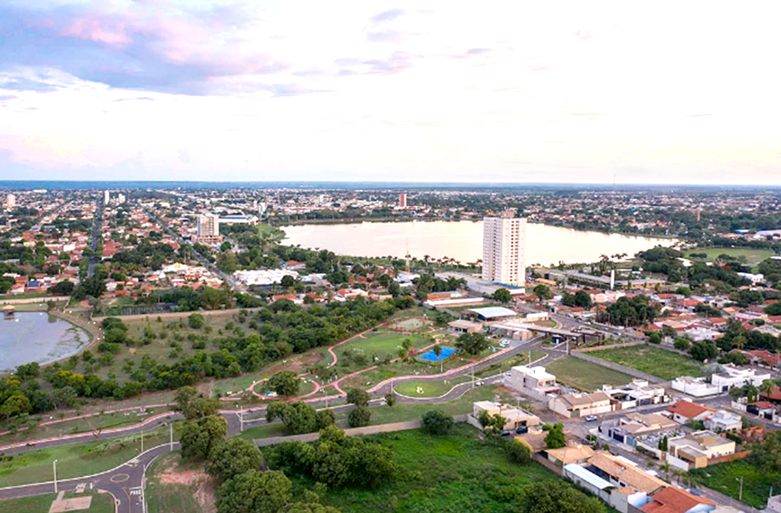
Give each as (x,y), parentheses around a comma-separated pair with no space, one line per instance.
(229,458)
(583,299)
(502,295)
(557,496)
(472,343)
(555,438)
(193,405)
(199,436)
(663,444)
(309,507)
(542,292)
(492,424)
(196,321)
(703,350)
(655,338)
(436,422)
(437,350)
(15,406)
(682,344)
(254,492)
(63,288)
(359,417)
(518,451)
(358,397)
(285,383)
(390,399)
(299,417)
(767,387)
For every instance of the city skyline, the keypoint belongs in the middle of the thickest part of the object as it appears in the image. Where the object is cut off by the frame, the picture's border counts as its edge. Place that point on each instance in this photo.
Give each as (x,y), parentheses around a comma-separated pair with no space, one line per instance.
(517,92)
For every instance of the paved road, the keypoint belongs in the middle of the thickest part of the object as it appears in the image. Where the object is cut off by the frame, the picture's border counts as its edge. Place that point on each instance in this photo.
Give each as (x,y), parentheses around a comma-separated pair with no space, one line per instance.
(125,482)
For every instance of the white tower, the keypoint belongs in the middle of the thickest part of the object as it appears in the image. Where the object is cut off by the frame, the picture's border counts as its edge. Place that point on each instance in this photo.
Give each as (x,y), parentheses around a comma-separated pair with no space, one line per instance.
(208,225)
(504,249)
(106,197)
(10,201)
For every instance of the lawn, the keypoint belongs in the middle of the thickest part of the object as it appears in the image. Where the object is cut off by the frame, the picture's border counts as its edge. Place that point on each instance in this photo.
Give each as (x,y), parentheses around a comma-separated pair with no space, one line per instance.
(77,459)
(651,360)
(429,388)
(382,343)
(457,472)
(725,477)
(101,503)
(175,487)
(585,375)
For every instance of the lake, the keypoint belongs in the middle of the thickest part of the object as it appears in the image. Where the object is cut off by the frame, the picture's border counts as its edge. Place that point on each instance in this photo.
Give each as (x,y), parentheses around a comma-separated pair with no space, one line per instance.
(462,240)
(38,337)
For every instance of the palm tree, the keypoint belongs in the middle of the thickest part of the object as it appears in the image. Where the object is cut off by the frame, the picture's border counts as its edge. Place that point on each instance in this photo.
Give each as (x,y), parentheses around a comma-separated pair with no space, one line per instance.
(666,468)
(679,475)
(767,387)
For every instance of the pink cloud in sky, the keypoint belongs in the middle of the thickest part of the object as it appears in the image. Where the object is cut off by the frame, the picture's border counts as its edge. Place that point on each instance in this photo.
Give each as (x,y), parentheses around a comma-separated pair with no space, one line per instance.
(98,30)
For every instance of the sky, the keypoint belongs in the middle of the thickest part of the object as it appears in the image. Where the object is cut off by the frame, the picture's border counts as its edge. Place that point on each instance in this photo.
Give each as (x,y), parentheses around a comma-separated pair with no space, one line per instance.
(501,91)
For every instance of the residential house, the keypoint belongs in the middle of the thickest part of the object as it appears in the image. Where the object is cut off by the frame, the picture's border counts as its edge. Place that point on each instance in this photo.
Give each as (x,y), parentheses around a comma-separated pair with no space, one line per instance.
(572,453)
(694,450)
(685,410)
(535,382)
(633,427)
(516,417)
(723,421)
(733,376)
(465,326)
(637,393)
(580,404)
(675,500)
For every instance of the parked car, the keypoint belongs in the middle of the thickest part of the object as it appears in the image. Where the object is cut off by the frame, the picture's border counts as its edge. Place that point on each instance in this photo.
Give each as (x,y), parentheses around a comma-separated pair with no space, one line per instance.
(591,418)
(521,430)
(505,433)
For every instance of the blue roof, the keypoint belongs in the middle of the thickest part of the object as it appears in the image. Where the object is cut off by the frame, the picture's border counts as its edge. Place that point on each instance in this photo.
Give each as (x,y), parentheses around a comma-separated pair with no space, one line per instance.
(492,312)
(589,477)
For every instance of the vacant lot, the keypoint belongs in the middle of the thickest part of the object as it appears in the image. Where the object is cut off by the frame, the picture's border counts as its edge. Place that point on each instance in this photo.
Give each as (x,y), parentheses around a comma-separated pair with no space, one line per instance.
(177,487)
(652,360)
(725,477)
(429,388)
(585,375)
(458,472)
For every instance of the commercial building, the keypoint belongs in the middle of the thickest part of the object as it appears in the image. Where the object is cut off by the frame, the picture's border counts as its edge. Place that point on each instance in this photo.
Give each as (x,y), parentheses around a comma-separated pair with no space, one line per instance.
(239,219)
(464,326)
(535,382)
(504,249)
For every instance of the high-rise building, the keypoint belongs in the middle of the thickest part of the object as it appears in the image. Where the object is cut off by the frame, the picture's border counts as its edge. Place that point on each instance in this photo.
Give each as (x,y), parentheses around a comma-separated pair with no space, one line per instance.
(121,198)
(504,249)
(10,201)
(403,200)
(208,225)
(106,197)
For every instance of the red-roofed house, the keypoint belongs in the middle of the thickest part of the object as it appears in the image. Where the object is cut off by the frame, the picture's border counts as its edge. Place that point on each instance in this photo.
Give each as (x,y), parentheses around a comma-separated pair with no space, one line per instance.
(685,410)
(675,500)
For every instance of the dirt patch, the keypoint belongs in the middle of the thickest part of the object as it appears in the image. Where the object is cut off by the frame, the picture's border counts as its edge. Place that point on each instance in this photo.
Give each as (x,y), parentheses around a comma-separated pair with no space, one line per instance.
(77,504)
(194,477)
(296,364)
(132,350)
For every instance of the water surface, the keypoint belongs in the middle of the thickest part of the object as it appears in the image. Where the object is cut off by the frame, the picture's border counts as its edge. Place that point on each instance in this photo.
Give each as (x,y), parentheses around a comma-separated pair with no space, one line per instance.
(38,337)
(463,240)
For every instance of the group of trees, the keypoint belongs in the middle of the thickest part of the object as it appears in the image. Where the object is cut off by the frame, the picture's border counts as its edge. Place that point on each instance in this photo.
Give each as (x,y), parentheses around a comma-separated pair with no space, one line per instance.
(299,417)
(472,344)
(580,298)
(634,311)
(336,460)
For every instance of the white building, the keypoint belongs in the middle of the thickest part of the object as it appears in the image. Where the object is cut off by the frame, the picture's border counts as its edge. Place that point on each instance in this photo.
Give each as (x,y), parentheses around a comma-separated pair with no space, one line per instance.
(106,197)
(121,198)
(723,421)
(10,201)
(696,387)
(737,377)
(532,381)
(504,249)
(208,225)
(753,278)
(264,276)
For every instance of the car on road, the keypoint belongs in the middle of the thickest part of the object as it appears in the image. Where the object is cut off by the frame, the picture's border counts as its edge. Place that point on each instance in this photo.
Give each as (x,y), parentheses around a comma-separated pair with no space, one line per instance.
(508,374)
(479,383)
(591,418)
(505,433)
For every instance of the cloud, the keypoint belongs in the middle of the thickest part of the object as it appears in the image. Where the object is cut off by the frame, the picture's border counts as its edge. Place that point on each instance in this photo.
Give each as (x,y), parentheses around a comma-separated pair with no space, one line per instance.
(140,98)
(6,97)
(398,61)
(17,83)
(477,51)
(389,15)
(696,115)
(145,45)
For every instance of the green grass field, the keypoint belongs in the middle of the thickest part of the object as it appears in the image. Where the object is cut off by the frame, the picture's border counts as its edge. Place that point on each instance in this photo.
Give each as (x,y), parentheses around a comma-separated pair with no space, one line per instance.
(753,255)
(651,360)
(101,503)
(192,493)
(457,472)
(585,375)
(76,460)
(382,343)
(724,478)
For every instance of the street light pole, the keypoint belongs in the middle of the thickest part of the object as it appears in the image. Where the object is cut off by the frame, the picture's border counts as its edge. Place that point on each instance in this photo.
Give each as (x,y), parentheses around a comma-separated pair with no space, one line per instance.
(54,467)
(740,493)
(142,442)
(171,431)
(241,419)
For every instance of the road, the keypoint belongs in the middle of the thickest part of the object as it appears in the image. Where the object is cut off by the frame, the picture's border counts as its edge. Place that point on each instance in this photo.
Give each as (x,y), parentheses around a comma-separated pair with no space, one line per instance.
(96,225)
(125,482)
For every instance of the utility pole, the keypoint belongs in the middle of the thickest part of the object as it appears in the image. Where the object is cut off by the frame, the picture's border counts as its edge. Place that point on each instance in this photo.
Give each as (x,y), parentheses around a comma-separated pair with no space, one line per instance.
(54,466)
(241,419)
(171,431)
(142,442)
(473,376)
(740,493)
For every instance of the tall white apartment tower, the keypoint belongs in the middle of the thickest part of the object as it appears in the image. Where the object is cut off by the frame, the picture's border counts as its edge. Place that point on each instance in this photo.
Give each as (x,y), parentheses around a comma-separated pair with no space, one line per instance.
(10,201)
(106,197)
(208,225)
(504,249)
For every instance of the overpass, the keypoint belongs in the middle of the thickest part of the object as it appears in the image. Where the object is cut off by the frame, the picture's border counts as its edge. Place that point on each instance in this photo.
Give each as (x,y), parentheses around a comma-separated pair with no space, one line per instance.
(579,336)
